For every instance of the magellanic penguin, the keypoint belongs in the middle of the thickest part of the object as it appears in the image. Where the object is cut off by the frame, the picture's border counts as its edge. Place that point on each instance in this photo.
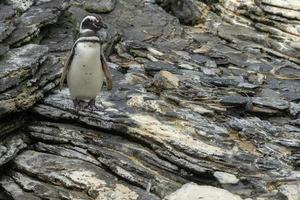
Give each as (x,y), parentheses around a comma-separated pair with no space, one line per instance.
(86,65)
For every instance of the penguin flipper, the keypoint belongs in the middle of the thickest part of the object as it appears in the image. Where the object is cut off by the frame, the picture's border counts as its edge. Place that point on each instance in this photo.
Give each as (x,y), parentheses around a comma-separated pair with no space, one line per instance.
(106,71)
(66,68)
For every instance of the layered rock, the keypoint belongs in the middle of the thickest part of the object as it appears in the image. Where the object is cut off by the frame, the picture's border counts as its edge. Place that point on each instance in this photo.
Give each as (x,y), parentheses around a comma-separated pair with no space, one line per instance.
(185,10)
(186,105)
(189,126)
(264,25)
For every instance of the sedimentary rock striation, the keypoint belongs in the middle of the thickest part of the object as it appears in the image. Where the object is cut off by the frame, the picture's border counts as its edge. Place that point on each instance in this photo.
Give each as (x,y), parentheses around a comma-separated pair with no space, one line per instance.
(216,104)
(270,26)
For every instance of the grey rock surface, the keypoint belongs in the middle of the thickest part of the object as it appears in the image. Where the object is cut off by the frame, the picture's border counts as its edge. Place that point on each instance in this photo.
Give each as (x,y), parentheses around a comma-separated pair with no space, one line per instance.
(185,10)
(244,23)
(216,104)
(99,6)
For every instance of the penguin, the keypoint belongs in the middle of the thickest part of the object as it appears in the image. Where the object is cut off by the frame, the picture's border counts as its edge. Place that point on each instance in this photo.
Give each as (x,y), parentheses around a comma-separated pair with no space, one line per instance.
(86,66)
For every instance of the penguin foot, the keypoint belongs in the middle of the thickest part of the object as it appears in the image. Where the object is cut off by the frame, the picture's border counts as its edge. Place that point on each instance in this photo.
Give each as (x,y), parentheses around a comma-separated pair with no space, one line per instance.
(92,105)
(76,104)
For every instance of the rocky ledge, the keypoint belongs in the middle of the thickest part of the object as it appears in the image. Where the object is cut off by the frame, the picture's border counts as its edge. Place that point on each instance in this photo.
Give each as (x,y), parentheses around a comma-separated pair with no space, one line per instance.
(209,110)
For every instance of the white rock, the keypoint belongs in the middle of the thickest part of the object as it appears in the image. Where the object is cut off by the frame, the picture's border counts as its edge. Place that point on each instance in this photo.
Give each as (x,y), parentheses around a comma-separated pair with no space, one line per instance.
(154,51)
(294,109)
(291,191)
(291,4)
(186,66)
(192,191)
(22,4)
(152,58)
(225,178)
(112,65)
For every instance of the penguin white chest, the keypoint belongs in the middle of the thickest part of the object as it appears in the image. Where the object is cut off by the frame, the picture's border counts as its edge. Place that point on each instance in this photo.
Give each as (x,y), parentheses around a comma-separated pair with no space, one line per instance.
(85,76)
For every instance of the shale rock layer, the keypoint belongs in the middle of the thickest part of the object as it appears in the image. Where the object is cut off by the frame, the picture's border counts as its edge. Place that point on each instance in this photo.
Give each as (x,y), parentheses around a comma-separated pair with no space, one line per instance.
(215,104)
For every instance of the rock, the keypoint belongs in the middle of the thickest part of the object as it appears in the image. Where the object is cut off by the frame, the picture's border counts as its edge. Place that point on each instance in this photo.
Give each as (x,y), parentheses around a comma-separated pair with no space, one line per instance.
(99,6)
(17,181)
(3,49)
(193,191)
(224,81)
(238,101)
(21,91)
(12,123)
(176,114)
(210,64)
(292,95)
(235,100)
(135,78)
(268,16)
(14,190)
(10,147)
(153,67)
(139,24)
(247,85)
(6,29)
(287,71)
(294,109)
(296,122)
(122,163)
(25,60)
(225,178)
(209,71)
(198,109)
(33,20)
(183,54)
(200,59)
(154,51)
(272,99)
(79,175)
(63,30)
(22,5)
(186,66)
(281,11)
(292,4)
(185,10)
(260,67)
(166,80)
(7,11)
(290,191)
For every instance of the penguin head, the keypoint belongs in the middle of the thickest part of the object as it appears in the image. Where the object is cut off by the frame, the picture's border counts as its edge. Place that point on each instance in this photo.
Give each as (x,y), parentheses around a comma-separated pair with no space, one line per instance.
(93,23)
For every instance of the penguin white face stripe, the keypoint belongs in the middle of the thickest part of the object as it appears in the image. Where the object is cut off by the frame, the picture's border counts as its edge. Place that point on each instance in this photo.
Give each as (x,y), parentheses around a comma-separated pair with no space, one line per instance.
(85,30)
